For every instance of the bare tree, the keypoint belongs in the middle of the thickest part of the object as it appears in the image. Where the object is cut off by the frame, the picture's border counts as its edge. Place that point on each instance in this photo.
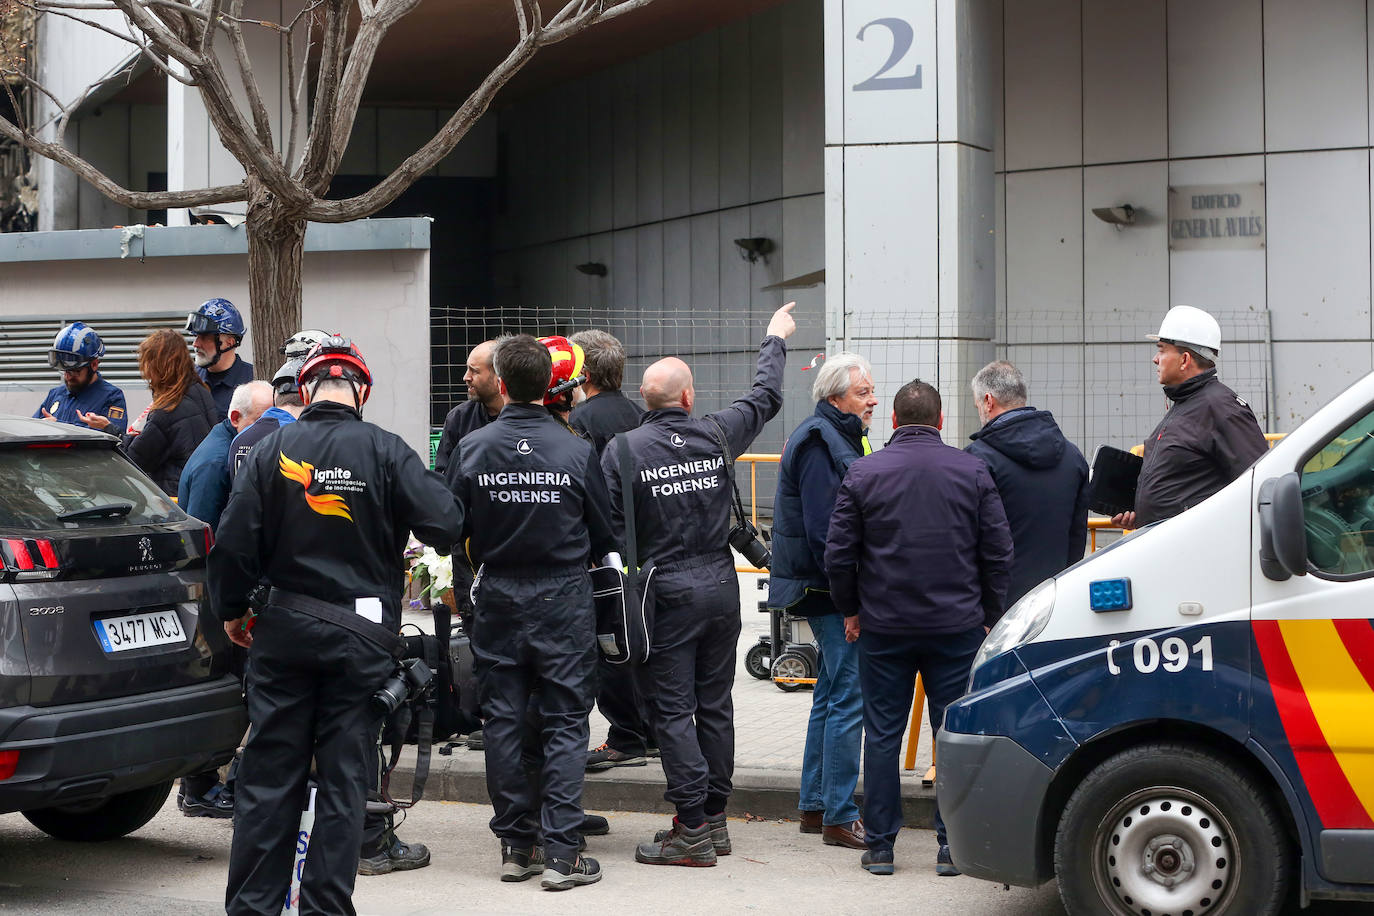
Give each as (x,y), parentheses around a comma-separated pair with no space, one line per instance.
(329,46)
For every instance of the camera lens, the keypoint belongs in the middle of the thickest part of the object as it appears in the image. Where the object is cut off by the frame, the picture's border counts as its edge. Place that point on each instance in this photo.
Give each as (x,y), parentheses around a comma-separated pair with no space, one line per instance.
(389,696)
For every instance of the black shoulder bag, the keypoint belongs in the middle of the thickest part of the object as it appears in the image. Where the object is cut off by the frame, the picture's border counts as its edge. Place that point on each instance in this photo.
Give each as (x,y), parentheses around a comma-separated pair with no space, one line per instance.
(624,597)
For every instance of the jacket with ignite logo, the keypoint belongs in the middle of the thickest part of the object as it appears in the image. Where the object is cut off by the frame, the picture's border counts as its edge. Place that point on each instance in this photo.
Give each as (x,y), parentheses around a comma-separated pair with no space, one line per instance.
(533,498)
(681,492)
(323,507)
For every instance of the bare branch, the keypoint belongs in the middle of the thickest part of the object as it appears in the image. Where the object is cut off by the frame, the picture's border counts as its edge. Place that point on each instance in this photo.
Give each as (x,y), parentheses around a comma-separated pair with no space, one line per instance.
(522,18)
(208,36)
(159,33)
(365,44)
(135,200)
(262,121)
(391,187)
(580,15)
(628,6)
(313,170)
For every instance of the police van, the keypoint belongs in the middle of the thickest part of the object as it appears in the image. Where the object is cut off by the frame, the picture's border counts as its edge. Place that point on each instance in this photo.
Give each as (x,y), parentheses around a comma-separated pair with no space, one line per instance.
(1183,723)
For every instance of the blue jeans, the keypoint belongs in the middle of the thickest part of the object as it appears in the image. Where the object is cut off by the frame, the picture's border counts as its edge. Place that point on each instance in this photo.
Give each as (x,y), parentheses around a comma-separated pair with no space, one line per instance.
(888,665)
(830,760)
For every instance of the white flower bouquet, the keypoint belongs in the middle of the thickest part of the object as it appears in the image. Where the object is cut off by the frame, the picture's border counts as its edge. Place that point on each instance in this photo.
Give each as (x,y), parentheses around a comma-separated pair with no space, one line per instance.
(426,566)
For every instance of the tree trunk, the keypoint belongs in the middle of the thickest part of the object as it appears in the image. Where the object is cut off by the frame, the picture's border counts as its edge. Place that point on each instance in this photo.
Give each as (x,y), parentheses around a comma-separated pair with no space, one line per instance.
(276,253)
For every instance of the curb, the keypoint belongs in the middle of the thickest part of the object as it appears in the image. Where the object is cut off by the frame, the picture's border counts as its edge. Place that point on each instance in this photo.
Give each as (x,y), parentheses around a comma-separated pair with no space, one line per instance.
(761,793)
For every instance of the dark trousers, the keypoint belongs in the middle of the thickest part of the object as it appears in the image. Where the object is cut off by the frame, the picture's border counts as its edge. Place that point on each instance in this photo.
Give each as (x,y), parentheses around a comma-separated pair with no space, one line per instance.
(696,638)
(622,694)
(528,635)
(308,688)
(888,665)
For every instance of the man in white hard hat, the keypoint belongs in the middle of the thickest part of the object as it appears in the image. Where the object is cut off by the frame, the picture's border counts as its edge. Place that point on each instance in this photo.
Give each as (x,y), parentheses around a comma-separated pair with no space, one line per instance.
(1208,435)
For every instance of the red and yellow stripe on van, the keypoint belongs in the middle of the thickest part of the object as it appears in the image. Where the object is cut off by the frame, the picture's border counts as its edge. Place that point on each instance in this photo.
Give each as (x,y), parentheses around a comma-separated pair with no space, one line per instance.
(1321,673)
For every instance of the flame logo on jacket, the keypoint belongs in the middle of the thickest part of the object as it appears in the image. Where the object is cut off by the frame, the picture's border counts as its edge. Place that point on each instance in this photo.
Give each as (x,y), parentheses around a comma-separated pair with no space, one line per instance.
(302,472)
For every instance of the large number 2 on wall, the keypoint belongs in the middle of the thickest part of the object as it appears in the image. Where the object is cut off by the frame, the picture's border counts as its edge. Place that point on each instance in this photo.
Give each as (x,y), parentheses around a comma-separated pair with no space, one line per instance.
(902,36)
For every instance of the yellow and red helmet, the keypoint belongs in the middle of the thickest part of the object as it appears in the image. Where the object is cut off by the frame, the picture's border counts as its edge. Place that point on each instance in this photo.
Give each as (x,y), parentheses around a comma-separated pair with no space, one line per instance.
(567,369)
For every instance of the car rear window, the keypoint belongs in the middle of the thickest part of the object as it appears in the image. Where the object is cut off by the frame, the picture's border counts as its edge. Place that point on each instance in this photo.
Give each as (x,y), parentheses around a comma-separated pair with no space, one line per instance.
(39,485)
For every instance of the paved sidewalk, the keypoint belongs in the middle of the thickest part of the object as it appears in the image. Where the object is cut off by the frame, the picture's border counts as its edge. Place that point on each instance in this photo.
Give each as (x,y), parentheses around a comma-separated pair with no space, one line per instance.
(770,730)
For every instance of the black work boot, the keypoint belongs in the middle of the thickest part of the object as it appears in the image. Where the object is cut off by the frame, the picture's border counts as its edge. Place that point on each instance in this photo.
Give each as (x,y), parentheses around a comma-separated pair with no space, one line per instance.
(521,862)
(720,834)
(564,873)
(396,857)
(679,846)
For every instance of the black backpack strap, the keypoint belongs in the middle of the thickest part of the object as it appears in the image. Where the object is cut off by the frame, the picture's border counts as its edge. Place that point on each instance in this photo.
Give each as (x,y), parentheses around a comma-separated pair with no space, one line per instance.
(424,738)
(627,497)
(389,640)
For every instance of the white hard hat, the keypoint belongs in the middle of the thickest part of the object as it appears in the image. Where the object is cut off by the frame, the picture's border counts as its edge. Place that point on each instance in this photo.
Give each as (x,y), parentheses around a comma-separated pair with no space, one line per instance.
(1190,327)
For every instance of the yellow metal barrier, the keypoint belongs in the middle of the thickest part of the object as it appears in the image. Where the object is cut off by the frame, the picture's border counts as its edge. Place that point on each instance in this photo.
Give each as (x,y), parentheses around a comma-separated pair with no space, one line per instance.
(754,460)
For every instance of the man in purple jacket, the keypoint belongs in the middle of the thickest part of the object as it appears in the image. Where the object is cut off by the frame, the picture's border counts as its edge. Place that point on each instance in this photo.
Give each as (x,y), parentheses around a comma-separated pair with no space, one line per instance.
(922,524)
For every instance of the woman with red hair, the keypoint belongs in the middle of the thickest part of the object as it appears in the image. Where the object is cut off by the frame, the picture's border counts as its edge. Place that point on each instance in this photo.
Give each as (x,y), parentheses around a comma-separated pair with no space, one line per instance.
(181,415)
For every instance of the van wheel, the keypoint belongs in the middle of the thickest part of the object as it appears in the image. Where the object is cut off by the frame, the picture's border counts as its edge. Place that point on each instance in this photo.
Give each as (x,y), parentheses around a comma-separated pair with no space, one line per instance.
(104,819)
(1167,828)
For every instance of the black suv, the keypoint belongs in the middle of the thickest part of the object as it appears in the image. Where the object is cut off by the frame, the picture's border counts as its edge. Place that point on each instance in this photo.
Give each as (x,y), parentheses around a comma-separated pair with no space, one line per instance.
(114,676)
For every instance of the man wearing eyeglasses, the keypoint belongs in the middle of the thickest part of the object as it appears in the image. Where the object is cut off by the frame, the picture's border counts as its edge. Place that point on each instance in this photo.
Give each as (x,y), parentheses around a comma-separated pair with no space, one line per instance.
(83,398)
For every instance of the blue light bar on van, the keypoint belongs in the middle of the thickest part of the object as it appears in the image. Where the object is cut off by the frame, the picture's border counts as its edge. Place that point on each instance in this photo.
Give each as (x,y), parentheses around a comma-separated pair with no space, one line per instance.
(1110,595)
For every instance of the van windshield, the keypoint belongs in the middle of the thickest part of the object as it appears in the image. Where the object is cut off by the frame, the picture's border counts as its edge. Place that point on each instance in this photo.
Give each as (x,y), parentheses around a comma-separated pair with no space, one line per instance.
(44,488)
(1338,448)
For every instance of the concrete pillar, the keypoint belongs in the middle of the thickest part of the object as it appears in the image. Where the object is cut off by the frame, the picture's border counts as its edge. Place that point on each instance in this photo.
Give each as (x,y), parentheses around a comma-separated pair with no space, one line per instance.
(911,94)
(195,156)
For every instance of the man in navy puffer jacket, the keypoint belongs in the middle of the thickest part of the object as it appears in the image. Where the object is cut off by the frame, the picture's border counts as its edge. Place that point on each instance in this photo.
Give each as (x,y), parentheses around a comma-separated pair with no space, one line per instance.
(1041,476)
(814,461)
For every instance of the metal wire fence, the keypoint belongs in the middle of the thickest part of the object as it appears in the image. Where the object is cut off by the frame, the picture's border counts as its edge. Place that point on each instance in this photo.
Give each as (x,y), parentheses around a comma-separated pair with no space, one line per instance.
(1092,371)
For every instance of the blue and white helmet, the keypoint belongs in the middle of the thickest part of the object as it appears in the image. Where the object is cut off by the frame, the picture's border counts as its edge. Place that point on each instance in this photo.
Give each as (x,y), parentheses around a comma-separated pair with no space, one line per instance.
(216,316)
(75,346)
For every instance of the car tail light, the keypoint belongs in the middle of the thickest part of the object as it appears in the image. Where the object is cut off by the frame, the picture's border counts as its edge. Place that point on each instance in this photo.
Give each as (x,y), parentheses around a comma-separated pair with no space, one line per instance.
(49,445)
(30,558)
(9,762)
(209,540)
(17,555)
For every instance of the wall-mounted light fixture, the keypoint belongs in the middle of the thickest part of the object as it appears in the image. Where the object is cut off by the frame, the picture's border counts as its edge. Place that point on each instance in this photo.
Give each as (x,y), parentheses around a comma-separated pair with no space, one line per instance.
(1118,216)
(592,269)
(753,249)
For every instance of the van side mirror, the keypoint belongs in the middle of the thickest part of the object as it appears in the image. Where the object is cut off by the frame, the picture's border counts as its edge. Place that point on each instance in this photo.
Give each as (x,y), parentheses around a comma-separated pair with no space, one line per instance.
(1283,535)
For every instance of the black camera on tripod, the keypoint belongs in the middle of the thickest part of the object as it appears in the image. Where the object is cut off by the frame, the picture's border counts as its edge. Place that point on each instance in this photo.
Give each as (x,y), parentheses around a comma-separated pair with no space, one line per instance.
(412,680)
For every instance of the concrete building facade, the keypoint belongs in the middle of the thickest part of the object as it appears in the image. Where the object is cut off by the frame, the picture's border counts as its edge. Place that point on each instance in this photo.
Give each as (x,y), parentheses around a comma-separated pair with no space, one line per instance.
(924,173)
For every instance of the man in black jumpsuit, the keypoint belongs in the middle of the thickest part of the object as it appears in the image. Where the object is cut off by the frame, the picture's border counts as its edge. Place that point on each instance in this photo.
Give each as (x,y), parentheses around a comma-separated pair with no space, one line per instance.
(537,511)
(682,514)
(321,511)
(622,691)
(1208,435)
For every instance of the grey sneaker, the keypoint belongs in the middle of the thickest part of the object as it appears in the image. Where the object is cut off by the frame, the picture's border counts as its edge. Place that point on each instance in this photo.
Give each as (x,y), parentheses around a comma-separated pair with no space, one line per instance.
(397,857)
(679,846)
(720,834)
(519,863)
(563,874)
